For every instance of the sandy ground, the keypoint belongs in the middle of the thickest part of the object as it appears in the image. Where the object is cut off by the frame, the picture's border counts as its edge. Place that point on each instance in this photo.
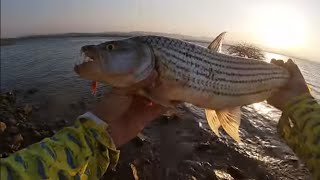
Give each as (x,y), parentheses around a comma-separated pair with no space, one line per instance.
(173,148)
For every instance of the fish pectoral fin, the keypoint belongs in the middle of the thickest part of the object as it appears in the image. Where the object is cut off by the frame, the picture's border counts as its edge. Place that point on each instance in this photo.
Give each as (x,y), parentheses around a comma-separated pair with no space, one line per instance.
(228,118)
(217,42)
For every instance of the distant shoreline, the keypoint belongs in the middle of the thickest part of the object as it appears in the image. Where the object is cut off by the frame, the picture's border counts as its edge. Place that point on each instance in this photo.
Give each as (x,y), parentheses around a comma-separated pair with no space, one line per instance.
(10,41)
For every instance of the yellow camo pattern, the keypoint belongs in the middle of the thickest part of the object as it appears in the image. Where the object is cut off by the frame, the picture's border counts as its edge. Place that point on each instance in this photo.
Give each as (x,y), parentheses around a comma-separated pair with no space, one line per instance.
(82,151)
(300,127)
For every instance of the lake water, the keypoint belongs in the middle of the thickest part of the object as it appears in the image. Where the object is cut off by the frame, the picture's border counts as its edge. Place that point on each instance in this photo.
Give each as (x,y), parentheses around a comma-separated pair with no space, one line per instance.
(47,64)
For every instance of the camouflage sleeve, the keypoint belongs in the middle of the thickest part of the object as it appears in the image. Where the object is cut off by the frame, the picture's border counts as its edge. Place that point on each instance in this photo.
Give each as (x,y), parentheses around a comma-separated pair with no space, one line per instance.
(300,127)
(82,151)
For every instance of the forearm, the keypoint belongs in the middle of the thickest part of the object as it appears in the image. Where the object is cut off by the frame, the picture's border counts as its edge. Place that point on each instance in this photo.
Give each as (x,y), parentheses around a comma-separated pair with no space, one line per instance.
(300,127)
(82,150)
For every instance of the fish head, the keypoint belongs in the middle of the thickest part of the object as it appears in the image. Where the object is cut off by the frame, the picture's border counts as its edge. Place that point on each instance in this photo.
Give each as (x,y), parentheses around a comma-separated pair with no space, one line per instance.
(120,63)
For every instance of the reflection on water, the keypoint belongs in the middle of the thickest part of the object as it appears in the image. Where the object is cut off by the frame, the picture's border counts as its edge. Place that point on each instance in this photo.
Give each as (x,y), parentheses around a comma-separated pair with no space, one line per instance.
(269,56)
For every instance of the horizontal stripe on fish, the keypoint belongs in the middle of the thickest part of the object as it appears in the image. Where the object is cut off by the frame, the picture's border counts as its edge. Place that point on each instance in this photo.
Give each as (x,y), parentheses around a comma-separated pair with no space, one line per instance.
(223,93)
(186,70)
(200,52)
(210,60)
(191,61)
(211,86)
(183,64)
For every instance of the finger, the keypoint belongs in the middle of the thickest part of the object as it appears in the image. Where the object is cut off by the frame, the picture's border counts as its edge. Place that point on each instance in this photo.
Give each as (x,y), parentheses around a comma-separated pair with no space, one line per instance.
(293,68)
(280,63)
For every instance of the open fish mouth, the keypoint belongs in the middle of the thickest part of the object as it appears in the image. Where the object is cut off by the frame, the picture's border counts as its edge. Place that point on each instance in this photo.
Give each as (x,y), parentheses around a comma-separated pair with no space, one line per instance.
(85,65)
(86,59)
(83,61)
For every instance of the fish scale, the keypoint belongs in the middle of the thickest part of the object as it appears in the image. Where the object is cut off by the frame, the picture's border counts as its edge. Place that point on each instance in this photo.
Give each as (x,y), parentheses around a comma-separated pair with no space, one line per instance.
(204,70)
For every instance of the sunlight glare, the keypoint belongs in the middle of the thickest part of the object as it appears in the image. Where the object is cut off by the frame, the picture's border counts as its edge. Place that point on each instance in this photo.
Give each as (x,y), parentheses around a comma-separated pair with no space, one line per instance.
(280,27)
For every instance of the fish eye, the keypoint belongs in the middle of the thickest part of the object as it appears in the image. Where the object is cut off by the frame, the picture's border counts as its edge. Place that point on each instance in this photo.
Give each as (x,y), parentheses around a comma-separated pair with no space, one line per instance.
(109,47)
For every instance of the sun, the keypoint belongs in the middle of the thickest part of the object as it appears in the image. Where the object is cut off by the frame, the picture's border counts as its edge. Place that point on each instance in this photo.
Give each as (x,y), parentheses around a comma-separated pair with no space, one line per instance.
(280,27)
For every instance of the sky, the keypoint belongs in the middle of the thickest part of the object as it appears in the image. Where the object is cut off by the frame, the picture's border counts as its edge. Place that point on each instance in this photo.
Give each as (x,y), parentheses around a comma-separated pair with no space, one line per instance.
(291,27)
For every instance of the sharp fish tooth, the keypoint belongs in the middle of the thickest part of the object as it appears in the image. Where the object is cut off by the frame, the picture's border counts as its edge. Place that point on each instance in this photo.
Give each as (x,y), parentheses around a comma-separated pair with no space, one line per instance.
(87,59)
(83,59)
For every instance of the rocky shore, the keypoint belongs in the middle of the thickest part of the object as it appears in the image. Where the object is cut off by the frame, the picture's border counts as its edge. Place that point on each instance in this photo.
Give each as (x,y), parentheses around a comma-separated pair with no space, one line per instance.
(171,148)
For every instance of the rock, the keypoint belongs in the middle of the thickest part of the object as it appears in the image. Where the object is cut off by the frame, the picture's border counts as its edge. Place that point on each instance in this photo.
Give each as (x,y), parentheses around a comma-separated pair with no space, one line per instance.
(22,116)
(73,105)
(36,133)
(8,139)
(26,125)
(16,91)
(191,163)
(4,155)
(140,139)
(27,109)
(45,133)
(17,139)
(12,121)
(61,122)
(13,129)
(15,147)
(36,107)
(164,120)
(137,162)
(11,97)
(82,104)
(32,91)
(236,173)
(203,146)
(3,127)
(52,131)
(147,161)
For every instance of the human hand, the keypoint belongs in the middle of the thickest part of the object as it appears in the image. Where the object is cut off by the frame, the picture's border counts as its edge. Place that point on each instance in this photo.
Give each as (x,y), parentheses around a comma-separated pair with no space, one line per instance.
(296,85)
(127,114)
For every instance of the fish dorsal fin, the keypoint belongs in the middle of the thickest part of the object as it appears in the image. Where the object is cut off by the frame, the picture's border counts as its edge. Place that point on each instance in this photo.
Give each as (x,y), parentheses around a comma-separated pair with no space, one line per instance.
(217,42)
(228,118)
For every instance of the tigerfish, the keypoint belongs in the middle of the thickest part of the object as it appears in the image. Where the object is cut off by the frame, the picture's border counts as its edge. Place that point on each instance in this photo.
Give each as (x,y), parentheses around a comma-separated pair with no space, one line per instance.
(202,76)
